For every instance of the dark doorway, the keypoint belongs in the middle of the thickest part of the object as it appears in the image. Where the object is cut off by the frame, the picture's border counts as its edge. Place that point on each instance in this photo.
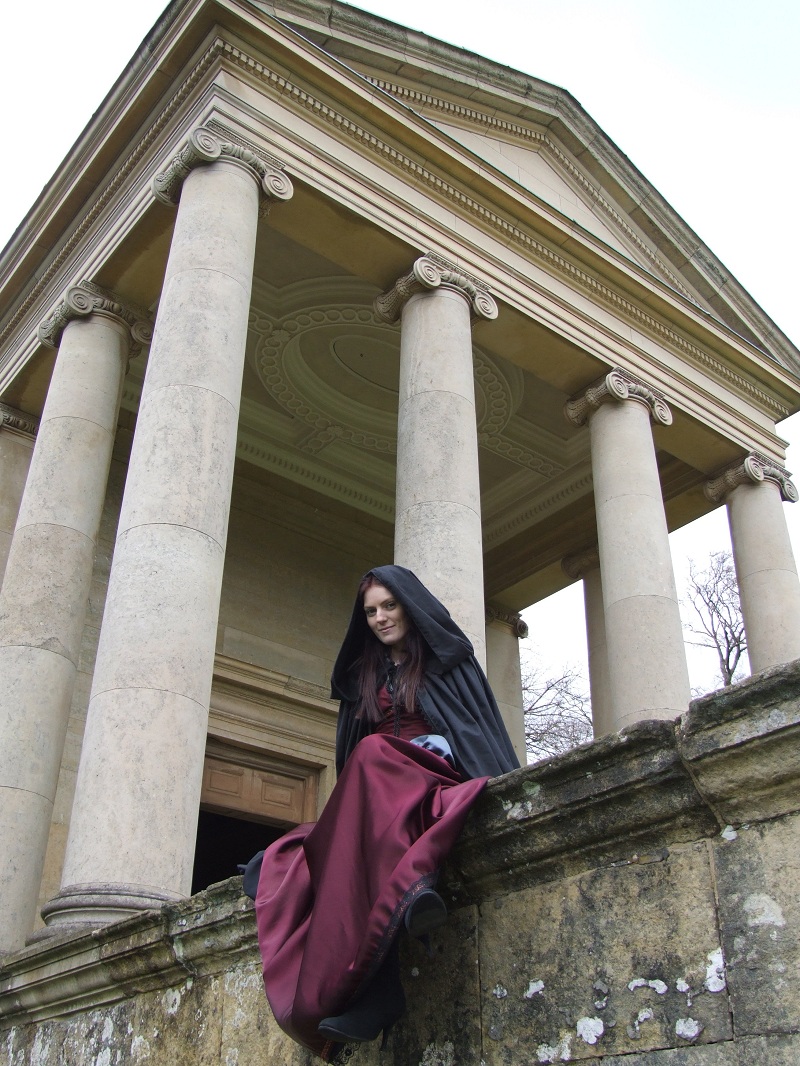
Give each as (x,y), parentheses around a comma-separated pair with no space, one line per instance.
(223,842)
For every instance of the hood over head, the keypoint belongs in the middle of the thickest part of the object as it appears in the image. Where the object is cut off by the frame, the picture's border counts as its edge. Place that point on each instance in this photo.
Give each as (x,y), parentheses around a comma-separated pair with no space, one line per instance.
(448,644)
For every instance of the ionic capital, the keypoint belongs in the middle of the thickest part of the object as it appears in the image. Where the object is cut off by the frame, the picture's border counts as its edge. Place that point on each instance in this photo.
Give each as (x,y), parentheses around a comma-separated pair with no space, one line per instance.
(432,272)
(578,565)
(515,622)
(204,146)
(9,416)
(618,386)
(87,299)
(754,468)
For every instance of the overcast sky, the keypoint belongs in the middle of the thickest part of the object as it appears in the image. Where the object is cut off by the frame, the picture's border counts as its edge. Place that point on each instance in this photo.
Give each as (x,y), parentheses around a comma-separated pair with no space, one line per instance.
(703,96)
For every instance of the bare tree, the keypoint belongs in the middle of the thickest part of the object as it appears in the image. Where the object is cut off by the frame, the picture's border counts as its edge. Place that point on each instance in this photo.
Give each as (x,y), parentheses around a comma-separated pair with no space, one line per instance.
(558,713)
(716,614)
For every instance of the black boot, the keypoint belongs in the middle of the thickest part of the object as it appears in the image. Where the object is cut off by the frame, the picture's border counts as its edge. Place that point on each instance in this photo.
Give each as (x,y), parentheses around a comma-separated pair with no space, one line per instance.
(424,914)
(377,1010)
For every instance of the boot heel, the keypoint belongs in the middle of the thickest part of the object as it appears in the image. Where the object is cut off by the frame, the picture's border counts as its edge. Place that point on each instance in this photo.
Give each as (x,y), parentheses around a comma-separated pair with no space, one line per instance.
(424,914)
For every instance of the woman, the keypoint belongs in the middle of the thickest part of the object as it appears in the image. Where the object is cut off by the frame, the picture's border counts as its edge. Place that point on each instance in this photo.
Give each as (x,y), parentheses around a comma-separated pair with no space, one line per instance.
(418,736)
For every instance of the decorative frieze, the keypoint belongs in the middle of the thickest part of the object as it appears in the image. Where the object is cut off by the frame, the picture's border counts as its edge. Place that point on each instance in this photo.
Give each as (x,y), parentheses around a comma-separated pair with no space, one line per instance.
(515,621)
(618,385)
(430,272)
(86,299)
(754,468)
(578,564)
(14,419)
(205,146)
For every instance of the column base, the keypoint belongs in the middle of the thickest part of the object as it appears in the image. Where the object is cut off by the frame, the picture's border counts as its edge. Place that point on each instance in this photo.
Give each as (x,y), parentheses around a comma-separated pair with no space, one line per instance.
(82,907)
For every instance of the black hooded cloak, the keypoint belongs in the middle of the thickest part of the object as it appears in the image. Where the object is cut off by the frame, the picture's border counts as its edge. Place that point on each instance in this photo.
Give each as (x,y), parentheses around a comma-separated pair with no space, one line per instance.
(455,699)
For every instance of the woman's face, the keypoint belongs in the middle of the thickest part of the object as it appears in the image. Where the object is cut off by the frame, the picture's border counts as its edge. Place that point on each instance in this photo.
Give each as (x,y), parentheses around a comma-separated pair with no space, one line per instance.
(386,617)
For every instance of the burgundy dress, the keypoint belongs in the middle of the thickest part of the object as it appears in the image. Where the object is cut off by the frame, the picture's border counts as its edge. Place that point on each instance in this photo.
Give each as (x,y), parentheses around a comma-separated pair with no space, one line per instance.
(332,894)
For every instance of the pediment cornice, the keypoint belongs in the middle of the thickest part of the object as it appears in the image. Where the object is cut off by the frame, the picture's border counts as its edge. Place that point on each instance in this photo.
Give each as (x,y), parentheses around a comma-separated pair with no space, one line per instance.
(385,52)
(488,212)
(546,255)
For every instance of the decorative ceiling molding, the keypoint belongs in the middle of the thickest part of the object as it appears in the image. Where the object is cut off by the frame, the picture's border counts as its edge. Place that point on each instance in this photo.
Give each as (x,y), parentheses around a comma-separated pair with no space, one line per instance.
(303,470)
(284,375)
(552,498)
(510,232)
(13,419)
(335,417)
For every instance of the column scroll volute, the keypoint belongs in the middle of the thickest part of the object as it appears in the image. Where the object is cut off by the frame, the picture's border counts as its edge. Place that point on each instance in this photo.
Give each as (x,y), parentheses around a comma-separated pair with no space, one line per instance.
(432,271)
(618,386)
(206,145)
(753,469)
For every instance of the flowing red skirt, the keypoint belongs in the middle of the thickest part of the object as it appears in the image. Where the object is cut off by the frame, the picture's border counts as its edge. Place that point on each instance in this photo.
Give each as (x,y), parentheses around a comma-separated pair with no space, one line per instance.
(332,893)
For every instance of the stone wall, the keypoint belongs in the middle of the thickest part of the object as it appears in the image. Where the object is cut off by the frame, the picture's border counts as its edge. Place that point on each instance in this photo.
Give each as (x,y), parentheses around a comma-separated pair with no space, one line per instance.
(636,901)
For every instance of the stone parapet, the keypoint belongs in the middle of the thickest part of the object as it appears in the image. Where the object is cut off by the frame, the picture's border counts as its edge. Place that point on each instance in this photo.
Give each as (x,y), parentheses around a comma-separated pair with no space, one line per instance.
(634,900)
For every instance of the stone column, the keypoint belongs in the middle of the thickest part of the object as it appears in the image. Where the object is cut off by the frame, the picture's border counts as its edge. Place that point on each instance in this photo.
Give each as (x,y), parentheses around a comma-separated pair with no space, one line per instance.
(46,586)
(648,676)
(586,566)
(504,630)
(438,508)
(132,832)
(769,589)
(17,435)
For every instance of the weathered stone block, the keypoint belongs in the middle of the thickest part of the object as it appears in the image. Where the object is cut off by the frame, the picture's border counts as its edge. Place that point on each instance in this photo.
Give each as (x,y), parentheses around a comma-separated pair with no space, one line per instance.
(621,796)
(600,909)
(742,745)
(611,962)
(758,881)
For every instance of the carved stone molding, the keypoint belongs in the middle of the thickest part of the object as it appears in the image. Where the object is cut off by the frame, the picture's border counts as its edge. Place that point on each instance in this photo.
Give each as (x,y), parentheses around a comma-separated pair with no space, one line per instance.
(577,565)
(496,613)
(390,155)
(754,468)
(540,141)
(204,146)
(430,272)
(86,299)
(14,419)
(618,385)
(551,499)
(332,417)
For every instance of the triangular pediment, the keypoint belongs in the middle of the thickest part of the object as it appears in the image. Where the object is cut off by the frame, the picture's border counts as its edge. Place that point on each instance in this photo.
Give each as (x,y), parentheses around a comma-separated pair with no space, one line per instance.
(537,135)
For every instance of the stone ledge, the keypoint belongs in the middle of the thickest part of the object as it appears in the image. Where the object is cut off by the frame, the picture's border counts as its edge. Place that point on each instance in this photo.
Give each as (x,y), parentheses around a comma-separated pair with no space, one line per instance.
(155,949)
(621,800)
(733,758)
(742,746)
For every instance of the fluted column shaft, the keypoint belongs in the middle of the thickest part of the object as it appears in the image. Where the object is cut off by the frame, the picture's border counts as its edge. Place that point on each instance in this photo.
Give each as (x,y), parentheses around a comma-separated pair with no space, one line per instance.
(769,589)
(132,832)
(438,511)
(46,588)
(17,436)
(504,629)
(648,675)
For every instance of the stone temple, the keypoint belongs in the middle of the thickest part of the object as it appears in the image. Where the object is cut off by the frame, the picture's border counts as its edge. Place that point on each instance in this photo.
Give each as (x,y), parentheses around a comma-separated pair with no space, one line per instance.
(311,293)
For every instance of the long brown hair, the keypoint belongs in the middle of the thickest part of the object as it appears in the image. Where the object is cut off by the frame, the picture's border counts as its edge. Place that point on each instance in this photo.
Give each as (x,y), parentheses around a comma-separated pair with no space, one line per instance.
(372,666)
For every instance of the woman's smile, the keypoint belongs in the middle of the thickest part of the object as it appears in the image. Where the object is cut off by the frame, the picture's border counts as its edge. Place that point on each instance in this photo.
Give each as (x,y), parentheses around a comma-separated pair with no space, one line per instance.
(386,617)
